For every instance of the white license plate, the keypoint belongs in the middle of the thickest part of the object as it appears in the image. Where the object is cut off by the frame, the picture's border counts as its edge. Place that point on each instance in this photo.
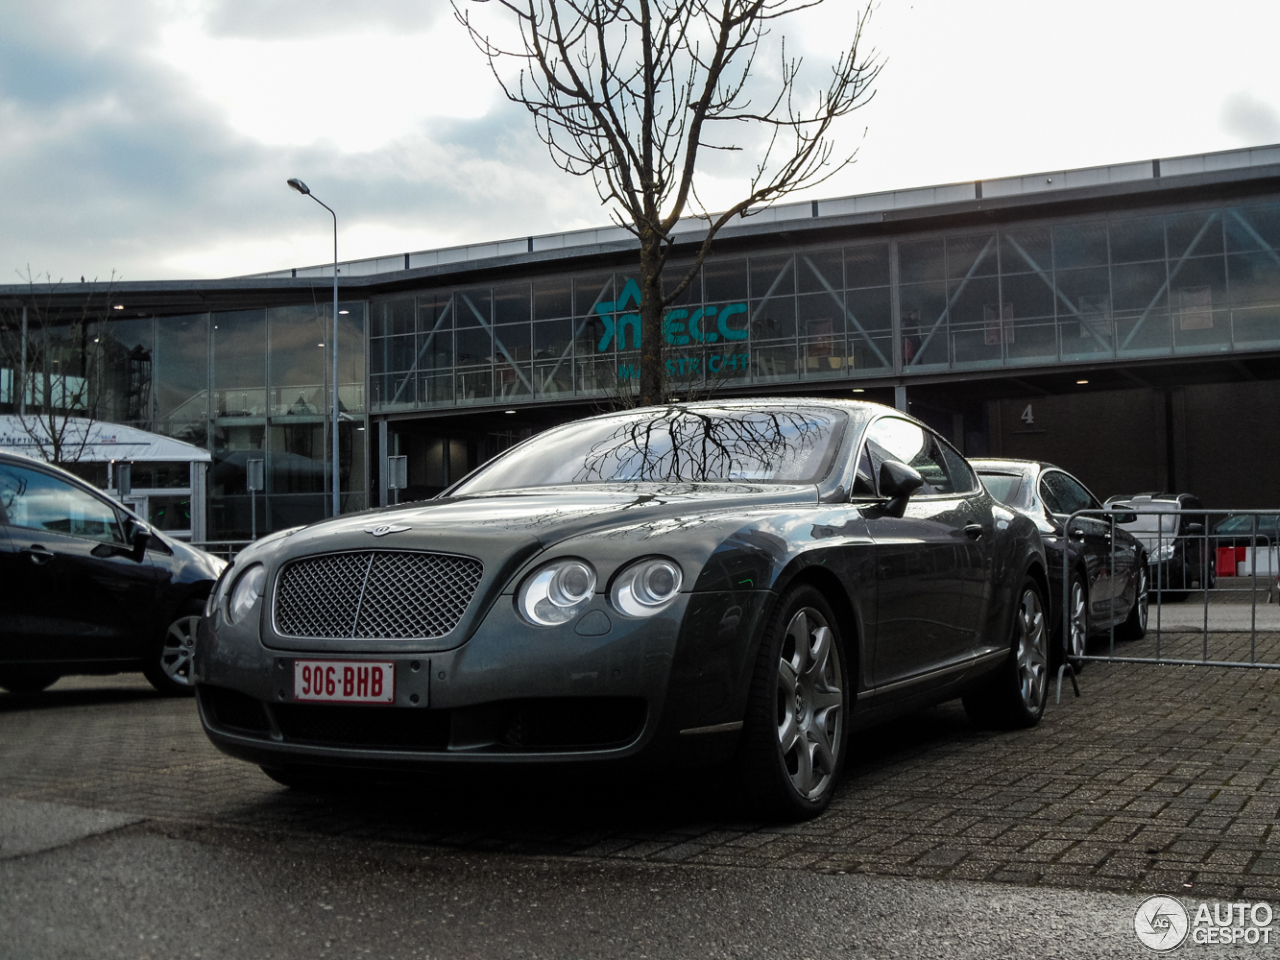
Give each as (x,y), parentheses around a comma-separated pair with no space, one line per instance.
(344,681)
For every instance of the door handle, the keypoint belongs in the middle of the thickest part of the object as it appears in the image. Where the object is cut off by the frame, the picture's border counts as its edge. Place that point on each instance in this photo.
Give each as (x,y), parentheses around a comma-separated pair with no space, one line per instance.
(39,555)
(973,531)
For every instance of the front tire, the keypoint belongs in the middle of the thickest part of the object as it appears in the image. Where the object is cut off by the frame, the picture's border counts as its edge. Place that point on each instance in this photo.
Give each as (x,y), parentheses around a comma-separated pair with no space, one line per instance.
(793,737)
(1014,696)
(170,671)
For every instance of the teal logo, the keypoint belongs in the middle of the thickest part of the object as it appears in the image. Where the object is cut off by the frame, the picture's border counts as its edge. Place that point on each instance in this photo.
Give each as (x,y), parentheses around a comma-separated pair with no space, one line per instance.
(680,327)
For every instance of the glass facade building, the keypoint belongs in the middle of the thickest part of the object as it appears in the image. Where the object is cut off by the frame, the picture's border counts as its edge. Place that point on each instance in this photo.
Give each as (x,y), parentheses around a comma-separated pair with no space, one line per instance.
(1126,268)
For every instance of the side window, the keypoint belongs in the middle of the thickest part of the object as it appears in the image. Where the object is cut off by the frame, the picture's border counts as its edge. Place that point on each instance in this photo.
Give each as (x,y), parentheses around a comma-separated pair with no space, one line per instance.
(1049,499)
(1069,493)
(963,479)
(37,501)
(892,439)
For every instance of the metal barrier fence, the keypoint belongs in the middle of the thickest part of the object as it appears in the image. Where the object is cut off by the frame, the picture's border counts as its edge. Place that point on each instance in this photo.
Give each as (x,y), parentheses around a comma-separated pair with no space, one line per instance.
(1188,553)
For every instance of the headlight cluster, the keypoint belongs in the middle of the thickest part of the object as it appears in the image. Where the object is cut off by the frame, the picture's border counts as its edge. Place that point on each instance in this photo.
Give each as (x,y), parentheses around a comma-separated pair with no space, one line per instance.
(561,590)
(1164,552)
(247,592)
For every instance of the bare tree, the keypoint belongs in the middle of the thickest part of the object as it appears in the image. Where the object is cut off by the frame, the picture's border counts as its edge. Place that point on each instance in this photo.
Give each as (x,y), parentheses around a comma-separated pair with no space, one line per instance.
(630,91)
(53,351)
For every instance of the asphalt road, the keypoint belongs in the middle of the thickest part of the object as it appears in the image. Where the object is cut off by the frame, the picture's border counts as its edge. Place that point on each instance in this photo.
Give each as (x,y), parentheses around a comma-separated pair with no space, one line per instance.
(80,883)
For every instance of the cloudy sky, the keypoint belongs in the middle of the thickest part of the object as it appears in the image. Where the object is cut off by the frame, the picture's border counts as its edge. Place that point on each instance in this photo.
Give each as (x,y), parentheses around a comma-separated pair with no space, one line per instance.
(153,138)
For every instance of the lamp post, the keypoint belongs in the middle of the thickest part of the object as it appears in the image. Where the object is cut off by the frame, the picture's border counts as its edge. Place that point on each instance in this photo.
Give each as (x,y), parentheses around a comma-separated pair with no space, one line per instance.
(303,189)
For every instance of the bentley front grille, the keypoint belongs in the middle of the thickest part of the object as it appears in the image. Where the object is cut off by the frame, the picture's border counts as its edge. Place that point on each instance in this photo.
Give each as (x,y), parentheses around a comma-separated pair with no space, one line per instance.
(375,595)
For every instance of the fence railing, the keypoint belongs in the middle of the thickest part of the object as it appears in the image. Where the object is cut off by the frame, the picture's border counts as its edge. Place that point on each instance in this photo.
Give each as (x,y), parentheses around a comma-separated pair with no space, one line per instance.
(1208,584)
(226,549)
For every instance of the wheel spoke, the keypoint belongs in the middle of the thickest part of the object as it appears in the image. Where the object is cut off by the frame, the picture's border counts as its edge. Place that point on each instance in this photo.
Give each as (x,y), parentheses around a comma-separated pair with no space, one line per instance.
(798,631)
(820,652)
(788,734)
(803,777)
(787,679)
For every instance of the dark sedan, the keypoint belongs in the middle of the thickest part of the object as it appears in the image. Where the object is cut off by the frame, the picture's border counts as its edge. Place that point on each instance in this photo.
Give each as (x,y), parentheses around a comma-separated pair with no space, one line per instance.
(1104,578)
(88,587)
(1172,531)
(747,582)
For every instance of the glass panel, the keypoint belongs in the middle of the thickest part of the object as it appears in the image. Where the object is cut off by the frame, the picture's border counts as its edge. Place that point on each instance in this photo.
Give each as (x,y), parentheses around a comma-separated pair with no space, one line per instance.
(772,277)
(553,377)
(921,260)
(589,290)
(392,317)
(595,376)
(773,319)
(512,303)
(169,513)
(673,275)
(474,308)
(976,254)
(513,381)
(1140,303)
(1079,245)
(474,385)
(552,298)
(474,345)
(1253,228)
(724,280)
(1198,290)
(240,363)
(283,512)
(1084,312)
(435,312)
(161,476)
(435,389)
(233,444)
(1029,339)
(1195,234)
(867,266)
(979,323)
(1136,240)
(589,338)
(552,339)
(819,271)
(351,370)
(869,321)
(434,350)
(823,357)
(514,338)
(296,459)
(770,363)
(182,367)
(729,365)
(924,325)
(1027,248)
(296,364)
(820,315)
(123,352)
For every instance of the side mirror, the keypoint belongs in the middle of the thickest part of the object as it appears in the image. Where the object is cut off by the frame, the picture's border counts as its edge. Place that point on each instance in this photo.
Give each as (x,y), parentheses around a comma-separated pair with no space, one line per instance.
(1193,529)
(139,538)
(1126,518)
(898,482)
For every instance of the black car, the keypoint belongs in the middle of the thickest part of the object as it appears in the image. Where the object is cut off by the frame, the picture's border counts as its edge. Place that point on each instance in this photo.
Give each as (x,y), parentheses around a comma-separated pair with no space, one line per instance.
(1104,580)
(1171,527)
(693,583)
(88,587)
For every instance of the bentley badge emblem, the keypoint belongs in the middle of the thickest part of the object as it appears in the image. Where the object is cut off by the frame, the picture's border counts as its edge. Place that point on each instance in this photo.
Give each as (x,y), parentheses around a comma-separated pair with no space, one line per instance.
(383,529)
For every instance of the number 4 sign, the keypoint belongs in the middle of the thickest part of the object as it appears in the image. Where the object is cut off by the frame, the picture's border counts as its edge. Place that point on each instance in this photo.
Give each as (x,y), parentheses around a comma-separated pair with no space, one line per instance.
(1027,416)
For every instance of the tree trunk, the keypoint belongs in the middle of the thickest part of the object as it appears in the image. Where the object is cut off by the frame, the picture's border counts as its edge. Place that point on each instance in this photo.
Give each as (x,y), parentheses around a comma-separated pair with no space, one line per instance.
(653,372)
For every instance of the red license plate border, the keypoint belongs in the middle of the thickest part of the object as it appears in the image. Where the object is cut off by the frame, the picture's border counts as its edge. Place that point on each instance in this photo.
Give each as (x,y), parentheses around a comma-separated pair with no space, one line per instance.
(299,662)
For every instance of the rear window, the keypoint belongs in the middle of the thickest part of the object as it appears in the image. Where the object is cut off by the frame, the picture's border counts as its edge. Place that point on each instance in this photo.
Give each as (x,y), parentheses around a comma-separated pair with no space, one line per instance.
(1005,487)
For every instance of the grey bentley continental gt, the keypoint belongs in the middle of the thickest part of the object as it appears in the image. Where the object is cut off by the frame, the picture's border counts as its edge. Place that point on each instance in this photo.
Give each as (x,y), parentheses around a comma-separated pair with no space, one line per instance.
(741,583)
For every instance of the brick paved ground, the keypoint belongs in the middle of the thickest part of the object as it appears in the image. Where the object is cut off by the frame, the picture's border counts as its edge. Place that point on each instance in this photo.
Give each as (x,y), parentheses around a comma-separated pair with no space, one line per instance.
(1157,777)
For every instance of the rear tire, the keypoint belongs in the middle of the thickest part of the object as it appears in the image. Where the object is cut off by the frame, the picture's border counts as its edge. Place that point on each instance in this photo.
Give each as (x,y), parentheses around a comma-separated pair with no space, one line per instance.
(1014,695)
(794,734)
(170,671)
(1135,627)
(28,681)
(1077,625)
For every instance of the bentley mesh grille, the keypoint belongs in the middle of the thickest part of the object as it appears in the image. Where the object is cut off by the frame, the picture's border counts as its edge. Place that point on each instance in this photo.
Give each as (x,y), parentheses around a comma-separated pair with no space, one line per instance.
(375,595)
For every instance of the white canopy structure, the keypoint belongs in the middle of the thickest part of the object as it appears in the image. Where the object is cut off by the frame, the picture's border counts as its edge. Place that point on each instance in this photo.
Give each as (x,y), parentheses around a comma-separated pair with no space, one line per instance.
(177,508)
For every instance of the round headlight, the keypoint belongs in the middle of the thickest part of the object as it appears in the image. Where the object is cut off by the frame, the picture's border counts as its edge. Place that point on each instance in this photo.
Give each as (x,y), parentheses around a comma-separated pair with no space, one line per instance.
(646,586)
(557,592)
(247,592)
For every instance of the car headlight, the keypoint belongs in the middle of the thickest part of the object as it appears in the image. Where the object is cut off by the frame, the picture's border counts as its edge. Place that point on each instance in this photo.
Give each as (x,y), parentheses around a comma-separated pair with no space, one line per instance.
(1164,552)
(646,587)
(557,592)
(247,592)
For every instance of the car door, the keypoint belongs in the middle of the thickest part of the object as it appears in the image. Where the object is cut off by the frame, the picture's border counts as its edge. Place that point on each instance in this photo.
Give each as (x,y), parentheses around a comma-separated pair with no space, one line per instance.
(31,618)
(928,561)
(89,599)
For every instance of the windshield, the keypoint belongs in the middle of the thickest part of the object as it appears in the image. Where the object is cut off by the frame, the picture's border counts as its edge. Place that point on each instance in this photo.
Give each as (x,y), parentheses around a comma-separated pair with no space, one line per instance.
(1005,487)
(1243,526)
(675,445)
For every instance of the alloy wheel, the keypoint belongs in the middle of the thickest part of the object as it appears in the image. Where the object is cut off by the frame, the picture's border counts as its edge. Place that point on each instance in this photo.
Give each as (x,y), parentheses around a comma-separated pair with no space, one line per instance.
(1143,600)
(1079,637)
(810,703)
(1033,658)
(179,645)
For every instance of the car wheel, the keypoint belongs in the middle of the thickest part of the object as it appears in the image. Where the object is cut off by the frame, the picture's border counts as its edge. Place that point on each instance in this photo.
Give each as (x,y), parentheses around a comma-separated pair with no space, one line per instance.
(793,736)
(28,681)
(1135,627)
(1077,622)
(1015,694)
(170,672)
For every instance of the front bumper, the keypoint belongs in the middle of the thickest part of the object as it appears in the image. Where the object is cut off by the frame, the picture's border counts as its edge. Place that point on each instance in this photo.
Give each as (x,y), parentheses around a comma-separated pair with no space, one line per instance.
(602,688)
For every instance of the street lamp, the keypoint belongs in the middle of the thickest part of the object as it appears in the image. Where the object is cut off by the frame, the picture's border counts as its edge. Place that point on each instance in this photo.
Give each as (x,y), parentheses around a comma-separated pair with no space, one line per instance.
(303,189)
